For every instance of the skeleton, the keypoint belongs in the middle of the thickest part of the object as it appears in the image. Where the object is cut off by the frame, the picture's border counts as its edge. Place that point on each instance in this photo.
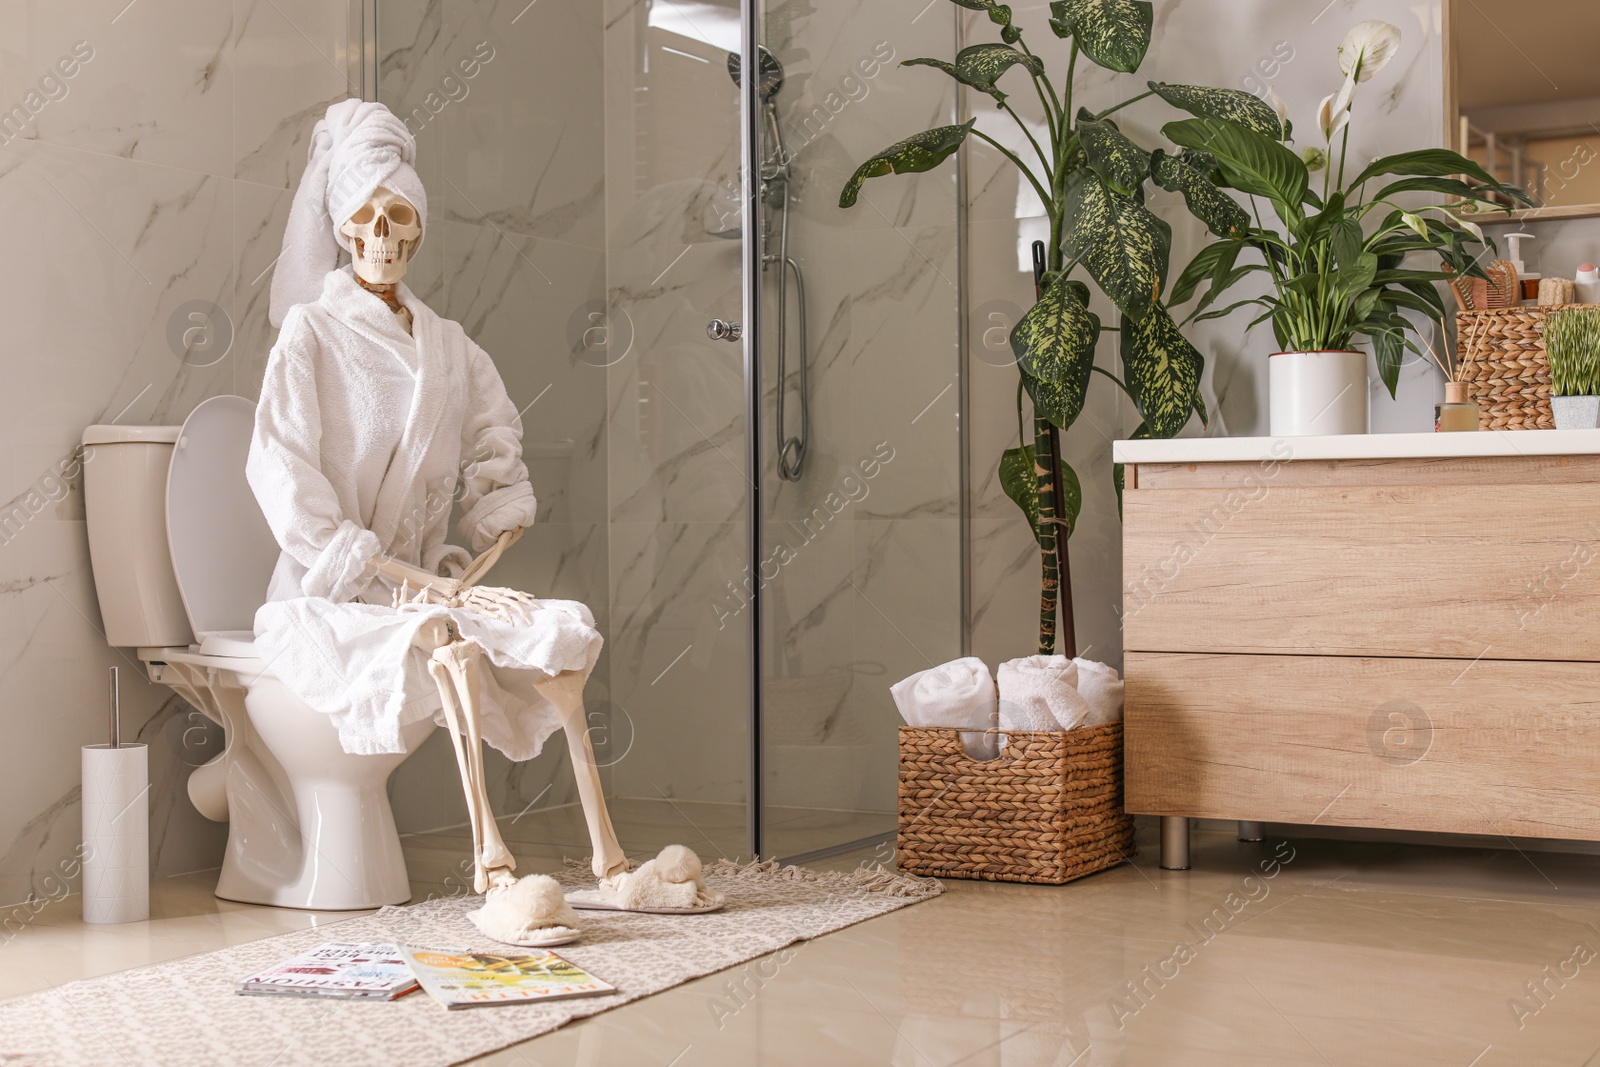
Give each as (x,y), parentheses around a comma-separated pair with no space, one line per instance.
(384,234)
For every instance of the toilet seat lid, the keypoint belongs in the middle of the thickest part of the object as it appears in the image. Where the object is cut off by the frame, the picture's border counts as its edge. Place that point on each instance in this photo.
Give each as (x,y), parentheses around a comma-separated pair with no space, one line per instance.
(222,550)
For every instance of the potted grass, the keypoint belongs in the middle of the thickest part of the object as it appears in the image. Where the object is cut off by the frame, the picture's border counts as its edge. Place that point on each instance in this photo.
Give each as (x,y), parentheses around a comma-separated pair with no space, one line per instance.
(1572,347)
(1335,259)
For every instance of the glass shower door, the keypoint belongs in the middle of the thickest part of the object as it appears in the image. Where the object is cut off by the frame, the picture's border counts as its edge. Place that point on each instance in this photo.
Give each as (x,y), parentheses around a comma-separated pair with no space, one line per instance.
(858,563)
(740,402)
(582,164)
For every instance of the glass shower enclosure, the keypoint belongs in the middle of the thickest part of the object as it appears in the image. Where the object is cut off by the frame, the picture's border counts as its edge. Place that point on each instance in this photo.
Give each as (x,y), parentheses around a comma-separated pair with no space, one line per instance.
(740,402)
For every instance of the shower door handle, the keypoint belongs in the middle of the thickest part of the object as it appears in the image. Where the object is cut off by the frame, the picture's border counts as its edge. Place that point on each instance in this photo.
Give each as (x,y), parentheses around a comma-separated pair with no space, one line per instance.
(722,330)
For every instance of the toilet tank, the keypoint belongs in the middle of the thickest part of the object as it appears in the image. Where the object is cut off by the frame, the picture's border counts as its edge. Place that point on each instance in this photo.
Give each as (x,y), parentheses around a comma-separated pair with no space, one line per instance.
(125,502)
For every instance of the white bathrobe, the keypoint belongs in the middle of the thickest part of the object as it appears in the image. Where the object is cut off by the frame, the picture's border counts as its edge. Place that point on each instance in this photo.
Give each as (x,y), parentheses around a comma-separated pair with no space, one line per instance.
(365,436)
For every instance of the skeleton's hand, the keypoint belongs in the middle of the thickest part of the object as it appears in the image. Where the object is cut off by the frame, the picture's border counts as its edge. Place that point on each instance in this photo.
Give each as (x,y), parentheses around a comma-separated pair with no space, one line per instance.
(507,605)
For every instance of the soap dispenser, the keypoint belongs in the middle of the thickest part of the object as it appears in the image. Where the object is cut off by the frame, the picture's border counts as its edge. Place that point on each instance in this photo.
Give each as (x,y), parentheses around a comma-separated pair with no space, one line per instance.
(1528,281)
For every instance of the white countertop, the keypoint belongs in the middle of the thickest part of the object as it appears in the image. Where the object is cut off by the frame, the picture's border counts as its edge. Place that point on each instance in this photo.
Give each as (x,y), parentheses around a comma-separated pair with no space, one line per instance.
(1361,446)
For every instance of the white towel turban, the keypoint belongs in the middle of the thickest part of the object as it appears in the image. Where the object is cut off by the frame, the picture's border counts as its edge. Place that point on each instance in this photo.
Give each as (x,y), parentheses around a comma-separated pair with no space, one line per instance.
(356,147)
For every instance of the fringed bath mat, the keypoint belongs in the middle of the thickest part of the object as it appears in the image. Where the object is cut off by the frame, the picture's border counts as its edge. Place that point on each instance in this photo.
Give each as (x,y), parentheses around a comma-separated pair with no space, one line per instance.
(185,1012)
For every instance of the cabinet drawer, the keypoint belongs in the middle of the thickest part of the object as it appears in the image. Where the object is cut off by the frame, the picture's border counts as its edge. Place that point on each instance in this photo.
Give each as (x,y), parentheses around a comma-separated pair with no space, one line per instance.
(1492,747)
(1500,571)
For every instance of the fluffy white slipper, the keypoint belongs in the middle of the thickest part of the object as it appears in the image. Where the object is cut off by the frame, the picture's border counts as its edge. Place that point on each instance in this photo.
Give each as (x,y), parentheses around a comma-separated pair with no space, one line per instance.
(670,884)
(530,912)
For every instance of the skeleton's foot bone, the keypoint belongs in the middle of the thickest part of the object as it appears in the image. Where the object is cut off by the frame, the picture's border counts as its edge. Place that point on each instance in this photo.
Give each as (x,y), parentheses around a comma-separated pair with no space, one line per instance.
(529,912)
(670,884)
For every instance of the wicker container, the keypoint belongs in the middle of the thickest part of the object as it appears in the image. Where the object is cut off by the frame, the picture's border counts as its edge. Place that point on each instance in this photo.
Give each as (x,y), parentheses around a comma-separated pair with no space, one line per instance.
(1048,811)
(1504,367)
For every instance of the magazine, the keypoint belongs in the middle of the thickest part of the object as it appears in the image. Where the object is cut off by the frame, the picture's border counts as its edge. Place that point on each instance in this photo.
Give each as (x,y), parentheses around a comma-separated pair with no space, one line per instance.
(340,969)
(460,979)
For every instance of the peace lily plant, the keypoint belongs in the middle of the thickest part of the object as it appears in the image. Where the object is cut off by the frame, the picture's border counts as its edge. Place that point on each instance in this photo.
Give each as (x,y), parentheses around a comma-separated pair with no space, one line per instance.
(1335,259)
(1091,178)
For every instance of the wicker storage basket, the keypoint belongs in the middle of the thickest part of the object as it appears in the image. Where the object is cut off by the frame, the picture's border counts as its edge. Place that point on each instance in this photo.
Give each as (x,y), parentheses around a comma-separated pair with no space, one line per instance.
(1049,810)
(1503,364)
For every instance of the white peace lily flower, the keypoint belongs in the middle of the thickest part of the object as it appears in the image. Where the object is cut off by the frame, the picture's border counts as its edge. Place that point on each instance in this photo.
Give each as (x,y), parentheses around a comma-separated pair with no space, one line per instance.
(1471,227)
(1341,103)
(1278,105)
(1416,222)
(1367,49)
(1331,115)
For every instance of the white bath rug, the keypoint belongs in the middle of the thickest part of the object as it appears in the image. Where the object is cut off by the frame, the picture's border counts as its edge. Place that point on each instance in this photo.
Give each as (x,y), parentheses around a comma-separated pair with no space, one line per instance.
(185,1012)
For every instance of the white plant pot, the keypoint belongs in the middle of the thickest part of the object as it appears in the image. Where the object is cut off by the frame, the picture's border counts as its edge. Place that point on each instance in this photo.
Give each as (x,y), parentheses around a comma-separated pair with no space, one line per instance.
(1317,393)
(1576,412)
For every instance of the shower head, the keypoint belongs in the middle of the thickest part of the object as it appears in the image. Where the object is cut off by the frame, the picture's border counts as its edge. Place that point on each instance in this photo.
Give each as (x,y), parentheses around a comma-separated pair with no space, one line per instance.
(771,72)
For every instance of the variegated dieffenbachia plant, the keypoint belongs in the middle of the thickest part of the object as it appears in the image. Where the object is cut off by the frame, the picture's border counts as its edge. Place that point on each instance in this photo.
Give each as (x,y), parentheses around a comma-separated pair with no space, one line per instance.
(1092,179)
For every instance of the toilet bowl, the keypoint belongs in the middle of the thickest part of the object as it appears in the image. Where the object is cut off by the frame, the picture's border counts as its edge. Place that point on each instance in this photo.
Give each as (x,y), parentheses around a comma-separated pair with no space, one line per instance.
(181,557)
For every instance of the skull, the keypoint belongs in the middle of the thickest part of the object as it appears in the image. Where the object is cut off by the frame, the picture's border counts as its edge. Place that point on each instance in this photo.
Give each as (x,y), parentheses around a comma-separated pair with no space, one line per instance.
(383,235)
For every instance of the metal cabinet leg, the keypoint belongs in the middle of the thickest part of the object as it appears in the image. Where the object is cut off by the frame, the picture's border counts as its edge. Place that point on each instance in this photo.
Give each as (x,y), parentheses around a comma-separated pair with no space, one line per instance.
(1174,843)
(1252,831)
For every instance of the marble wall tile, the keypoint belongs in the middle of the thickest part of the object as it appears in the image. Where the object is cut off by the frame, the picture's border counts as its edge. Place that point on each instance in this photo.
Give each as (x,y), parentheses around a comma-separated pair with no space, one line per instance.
(521,137)
(260,213)
(846,97)
(805,574)
(680,659)
(906,586)
(671,123)
(882,372)
(156,84)
(528,303)
(53,684)
(676,416)
(117,253)
(291,59)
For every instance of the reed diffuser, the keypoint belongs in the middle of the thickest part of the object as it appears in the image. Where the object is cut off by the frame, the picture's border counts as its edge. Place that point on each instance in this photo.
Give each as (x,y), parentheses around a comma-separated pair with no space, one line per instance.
(1458,413)
(1572,347)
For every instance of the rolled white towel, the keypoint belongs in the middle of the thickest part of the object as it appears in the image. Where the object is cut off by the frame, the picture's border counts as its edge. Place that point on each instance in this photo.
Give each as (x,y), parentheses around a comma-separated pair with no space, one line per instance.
(1041,693)
(1101,686)
(958,694)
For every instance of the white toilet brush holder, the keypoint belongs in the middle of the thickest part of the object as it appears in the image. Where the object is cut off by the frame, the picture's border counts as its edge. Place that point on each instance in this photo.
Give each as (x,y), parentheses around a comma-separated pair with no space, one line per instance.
(116,827)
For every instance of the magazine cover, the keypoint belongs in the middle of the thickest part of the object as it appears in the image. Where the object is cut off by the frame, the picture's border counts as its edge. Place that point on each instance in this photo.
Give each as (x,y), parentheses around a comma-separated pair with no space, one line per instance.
(342,969)
(459,979)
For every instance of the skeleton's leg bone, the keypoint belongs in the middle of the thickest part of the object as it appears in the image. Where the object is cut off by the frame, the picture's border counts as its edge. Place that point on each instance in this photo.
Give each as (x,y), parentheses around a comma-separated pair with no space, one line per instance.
(447,695)
(464,662)
(433,635)
(565,691)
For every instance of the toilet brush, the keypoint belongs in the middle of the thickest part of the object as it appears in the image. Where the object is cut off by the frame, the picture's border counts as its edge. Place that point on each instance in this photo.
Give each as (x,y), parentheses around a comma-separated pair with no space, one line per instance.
(116,826)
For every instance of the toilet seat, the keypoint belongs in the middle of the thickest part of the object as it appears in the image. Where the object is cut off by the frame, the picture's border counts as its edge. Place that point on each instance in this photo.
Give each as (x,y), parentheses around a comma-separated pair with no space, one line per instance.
(228,644)
(223,552)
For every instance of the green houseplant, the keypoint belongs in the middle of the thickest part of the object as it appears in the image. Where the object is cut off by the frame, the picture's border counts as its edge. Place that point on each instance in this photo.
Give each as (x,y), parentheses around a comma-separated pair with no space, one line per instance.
(1572,345)
(1091,178)
(1335,259)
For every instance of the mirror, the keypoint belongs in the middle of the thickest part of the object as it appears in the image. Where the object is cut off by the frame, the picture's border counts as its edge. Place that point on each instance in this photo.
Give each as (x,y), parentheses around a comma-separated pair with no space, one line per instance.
(1522,97)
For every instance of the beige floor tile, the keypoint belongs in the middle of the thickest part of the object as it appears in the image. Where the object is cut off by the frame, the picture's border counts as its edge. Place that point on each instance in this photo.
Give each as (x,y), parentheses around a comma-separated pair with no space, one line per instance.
(1342,952)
